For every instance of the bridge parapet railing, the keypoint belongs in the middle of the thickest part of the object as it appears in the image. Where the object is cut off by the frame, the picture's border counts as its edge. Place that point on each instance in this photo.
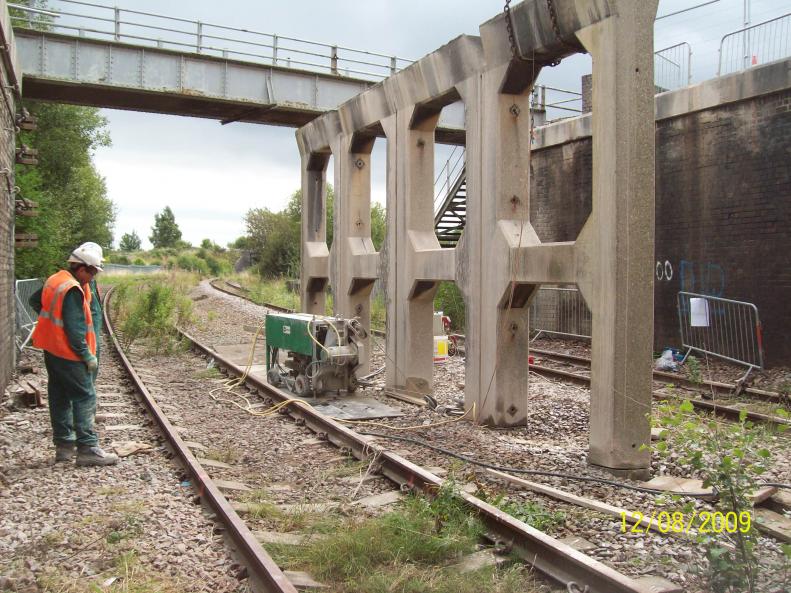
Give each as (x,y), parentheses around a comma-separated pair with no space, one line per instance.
(25,315)
(754,45)
(99,21)
(720,327)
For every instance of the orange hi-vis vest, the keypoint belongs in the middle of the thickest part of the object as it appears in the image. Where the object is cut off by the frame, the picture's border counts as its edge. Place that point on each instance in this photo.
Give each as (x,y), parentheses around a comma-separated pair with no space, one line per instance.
(49,333)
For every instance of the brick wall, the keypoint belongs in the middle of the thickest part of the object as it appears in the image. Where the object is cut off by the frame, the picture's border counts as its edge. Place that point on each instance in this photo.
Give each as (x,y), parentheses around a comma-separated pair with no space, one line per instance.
(8,77)
(7,311)
(723,210)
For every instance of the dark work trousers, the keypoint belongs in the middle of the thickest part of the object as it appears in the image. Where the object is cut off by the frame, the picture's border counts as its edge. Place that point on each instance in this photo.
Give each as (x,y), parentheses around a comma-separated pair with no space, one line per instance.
(72,401)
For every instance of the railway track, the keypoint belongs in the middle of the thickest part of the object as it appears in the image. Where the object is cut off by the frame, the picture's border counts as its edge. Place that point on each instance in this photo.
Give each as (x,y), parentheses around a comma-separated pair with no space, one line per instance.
(725,411)
(583,363)
(705,386)
(554,559)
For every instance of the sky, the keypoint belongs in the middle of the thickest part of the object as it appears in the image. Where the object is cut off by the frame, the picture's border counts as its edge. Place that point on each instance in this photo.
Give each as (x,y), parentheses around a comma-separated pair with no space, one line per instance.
(211,175)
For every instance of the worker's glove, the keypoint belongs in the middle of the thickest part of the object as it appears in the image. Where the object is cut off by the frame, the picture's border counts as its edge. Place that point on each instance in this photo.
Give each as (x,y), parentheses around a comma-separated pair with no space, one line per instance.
(92,364)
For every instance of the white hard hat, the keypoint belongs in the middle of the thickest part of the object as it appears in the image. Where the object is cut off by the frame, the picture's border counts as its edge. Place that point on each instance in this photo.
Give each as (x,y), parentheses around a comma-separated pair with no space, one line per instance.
(89,254)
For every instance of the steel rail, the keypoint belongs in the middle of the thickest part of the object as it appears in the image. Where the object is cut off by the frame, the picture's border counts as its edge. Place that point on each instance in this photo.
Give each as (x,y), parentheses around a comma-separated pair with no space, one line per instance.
(715,386)
(261,568)
(551,557)
(728,412)
(212,282)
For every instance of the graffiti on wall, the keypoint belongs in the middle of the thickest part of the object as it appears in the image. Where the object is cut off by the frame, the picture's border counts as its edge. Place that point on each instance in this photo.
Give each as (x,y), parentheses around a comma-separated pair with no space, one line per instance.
(702,278)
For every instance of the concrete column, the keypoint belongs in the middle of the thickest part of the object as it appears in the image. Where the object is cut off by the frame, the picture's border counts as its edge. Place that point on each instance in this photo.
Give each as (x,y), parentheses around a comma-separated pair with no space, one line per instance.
(314,252)
(411,271)
(353,259)
(616,247)
(496,236)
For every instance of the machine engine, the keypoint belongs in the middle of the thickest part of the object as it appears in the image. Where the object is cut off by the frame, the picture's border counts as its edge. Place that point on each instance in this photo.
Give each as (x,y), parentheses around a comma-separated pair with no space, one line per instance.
(310,354)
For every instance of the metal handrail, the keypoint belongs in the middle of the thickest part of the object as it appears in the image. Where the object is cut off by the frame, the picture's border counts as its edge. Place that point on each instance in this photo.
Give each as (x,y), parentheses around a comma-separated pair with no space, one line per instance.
(336,60)
(746,31)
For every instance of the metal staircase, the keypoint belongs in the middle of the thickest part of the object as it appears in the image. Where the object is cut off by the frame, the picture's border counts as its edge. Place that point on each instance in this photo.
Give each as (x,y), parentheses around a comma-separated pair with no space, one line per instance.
(450,200)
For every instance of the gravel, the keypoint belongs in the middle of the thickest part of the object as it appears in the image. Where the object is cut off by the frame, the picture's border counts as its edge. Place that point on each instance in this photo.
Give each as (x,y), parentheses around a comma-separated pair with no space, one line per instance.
(555,438)
(65,526)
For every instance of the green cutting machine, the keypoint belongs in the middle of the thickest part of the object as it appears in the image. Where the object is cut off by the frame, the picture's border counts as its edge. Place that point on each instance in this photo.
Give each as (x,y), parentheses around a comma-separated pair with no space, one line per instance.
(310,354)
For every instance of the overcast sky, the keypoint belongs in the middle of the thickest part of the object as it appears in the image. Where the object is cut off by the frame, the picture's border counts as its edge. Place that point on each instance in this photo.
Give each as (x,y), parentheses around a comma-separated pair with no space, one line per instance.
(210,175)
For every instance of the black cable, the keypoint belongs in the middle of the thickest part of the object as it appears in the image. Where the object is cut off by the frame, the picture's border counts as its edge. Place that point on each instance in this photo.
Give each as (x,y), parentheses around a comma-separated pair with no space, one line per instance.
(537,472)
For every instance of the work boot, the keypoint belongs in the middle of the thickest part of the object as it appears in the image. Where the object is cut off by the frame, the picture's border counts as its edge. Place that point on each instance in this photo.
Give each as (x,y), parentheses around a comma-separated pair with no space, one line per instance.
(64,452)
(95,456)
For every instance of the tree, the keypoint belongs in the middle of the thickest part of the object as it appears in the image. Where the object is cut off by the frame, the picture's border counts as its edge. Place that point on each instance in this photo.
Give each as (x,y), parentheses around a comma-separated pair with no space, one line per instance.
(130,242)
(378,225)
(165,232)
(71,195)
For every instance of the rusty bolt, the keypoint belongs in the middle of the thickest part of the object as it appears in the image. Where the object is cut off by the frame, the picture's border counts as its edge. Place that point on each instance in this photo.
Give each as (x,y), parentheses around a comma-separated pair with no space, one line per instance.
(358,309)
(359,163)
(421,143)
(512,410)
(515,111)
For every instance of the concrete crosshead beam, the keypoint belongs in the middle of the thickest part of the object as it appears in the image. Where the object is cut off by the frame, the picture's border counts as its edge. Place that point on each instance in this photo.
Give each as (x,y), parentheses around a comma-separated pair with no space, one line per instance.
(500,261)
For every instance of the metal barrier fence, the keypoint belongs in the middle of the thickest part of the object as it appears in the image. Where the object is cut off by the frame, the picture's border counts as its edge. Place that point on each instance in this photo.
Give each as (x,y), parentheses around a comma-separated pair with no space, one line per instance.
(129,269)
(25,315)
(673,67)
(724,328)
(758,44)
(88,19)
(560,311)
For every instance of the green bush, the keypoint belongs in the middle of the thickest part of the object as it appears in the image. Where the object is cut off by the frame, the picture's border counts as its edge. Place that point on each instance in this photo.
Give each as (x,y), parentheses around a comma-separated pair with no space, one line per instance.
(186,261)
(151,311)
(139,261)
(450,301)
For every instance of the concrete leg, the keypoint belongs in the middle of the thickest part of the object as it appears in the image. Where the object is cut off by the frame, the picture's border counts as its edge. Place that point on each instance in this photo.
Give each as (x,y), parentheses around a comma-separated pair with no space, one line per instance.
(497,232)
(353,259)
(314,252)
(411,279)
(616,245)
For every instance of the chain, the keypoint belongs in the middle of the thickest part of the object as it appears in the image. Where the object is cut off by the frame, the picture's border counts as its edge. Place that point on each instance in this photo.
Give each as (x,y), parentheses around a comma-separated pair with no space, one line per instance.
(509,23)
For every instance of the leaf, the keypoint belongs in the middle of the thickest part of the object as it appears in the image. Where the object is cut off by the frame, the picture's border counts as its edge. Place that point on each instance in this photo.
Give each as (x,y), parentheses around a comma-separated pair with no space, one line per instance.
(742,415)
(686,406)
(764,453)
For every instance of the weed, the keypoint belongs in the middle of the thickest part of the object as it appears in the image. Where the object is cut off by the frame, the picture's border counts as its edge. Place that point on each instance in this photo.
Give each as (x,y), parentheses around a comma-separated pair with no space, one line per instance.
(408,550)
(151,310)
(209,373)
(532,513)
(729,457)
(695,374)
(228,455)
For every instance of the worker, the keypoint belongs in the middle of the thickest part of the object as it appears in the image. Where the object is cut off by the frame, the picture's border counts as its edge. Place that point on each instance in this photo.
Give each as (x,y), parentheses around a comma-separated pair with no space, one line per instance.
(69,337)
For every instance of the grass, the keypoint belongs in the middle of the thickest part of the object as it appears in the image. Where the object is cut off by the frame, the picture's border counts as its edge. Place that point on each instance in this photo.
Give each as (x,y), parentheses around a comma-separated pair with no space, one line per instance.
(229,455)
(409,550)
(131,577)
(209,373)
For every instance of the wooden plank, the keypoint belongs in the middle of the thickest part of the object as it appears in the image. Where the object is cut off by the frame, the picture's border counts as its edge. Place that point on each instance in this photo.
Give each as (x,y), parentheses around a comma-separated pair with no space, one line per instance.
(212,463)
(380,500)
(774,524)
(302,580)
(594,505)
(230,485)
